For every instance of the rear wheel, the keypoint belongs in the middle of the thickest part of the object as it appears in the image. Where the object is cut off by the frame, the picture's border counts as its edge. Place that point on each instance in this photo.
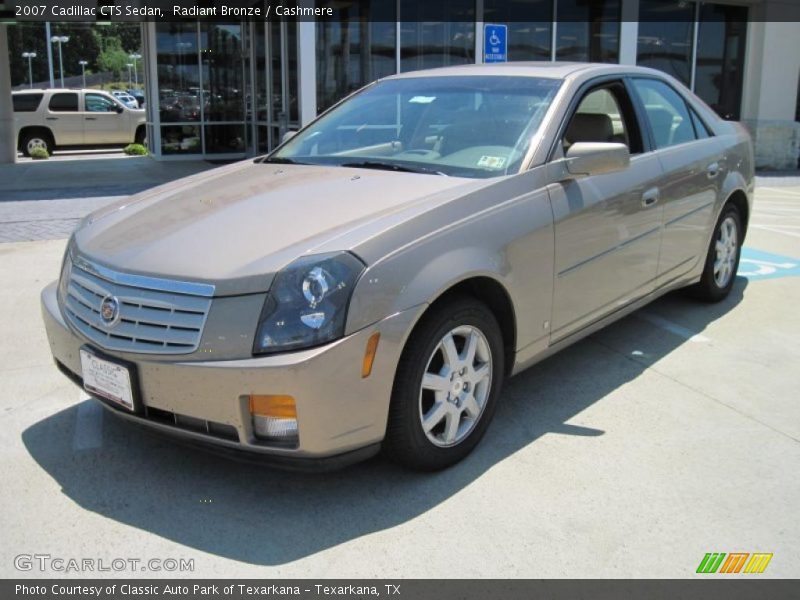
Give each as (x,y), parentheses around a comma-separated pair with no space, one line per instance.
(33,140)
(446,388)
(722,259)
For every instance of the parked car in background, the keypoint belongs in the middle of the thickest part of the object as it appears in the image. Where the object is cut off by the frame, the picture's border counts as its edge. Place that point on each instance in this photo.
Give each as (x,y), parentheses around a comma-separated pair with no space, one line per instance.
(57,118)
(139,95)
(125,98)
(373,281)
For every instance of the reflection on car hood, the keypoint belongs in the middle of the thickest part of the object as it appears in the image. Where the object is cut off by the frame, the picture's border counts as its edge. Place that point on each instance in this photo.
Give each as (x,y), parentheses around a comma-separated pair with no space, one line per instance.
(235,226)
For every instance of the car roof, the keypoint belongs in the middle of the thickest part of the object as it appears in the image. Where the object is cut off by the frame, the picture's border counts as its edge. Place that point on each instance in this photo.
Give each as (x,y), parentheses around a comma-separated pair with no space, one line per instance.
(544,69)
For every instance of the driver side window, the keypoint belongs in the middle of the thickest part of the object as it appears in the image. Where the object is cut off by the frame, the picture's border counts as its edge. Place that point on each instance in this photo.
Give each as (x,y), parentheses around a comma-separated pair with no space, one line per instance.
(604,115)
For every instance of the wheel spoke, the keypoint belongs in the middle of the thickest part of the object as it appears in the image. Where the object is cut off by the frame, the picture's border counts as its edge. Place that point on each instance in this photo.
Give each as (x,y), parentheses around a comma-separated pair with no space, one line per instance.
(481,373)
(449,350)
(437,383)
(434,416)
(720,246)
(468,355)
(453,419)
(471,407)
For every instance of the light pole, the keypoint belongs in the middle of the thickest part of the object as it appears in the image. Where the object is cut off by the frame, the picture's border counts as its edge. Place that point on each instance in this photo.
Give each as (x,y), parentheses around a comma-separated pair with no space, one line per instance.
(135,58)
(129,65)
(30,56)
(83,64)
(60,39)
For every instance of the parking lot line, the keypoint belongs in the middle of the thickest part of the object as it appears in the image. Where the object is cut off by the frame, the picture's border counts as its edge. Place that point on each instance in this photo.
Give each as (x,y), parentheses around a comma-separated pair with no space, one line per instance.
(88,424)
(776,230)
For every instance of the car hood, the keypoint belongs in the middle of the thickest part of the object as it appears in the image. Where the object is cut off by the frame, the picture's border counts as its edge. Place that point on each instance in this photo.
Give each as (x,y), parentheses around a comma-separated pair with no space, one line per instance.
(236,226)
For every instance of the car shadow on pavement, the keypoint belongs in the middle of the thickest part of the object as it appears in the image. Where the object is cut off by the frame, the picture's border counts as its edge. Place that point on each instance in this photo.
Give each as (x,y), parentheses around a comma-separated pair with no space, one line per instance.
(262,516)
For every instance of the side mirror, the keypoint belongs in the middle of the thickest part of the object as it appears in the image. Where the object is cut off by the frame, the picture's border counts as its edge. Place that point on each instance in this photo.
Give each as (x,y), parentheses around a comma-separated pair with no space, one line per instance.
(596,158)
(118,109)
(287,136)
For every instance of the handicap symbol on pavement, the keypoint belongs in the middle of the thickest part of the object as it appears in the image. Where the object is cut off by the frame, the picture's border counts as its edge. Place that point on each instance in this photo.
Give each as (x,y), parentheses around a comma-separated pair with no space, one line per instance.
(755,264)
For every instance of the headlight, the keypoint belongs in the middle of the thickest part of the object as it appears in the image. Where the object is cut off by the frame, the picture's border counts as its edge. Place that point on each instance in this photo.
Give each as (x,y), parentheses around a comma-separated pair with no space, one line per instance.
(307,303)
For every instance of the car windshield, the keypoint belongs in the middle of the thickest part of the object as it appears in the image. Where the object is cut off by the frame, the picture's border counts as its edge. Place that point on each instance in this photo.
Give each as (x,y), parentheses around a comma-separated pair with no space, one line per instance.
(463,126)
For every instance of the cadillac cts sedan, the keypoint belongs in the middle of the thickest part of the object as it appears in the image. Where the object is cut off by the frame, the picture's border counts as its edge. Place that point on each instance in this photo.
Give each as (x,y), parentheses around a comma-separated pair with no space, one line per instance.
(371,283)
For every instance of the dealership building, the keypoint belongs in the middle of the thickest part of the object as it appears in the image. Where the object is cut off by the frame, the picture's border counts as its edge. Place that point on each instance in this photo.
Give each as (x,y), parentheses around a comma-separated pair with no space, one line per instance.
(228,90)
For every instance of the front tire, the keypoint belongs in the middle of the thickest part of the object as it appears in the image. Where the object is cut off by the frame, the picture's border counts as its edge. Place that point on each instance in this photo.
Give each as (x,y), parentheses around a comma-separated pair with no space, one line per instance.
(447,385)
(722,260)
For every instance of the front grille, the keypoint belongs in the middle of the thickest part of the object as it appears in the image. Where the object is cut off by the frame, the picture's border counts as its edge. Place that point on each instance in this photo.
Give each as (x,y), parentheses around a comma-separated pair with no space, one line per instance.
(154,316)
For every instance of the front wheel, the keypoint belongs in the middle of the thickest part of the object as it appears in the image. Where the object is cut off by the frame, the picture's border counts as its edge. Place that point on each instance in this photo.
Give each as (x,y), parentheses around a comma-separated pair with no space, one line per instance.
(722,259)
(446,388)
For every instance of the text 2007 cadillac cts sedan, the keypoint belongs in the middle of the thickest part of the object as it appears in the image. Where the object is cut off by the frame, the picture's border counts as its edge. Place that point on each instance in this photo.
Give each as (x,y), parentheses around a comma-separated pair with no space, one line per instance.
(372,282)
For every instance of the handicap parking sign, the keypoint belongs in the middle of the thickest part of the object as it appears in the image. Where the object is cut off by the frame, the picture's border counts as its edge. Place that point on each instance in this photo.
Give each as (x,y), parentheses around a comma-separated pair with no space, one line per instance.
(495,43)
(756,264)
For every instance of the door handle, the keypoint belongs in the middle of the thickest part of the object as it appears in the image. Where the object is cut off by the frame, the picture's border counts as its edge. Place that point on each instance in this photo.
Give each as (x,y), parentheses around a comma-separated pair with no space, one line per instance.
(51,118)
(91,118)
(712,170)
(650,197)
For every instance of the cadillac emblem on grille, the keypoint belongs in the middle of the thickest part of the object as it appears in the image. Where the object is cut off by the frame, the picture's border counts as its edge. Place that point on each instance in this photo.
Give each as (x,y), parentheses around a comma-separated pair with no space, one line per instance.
(109,310)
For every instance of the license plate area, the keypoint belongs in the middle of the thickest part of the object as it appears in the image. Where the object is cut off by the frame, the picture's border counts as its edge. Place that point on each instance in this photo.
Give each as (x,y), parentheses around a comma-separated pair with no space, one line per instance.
(111,379)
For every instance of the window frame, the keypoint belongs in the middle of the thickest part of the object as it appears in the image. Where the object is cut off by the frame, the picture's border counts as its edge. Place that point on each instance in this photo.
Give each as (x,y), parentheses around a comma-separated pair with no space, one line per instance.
(604,81)
(25,95)
(116,103)
(690,109)
(77,102)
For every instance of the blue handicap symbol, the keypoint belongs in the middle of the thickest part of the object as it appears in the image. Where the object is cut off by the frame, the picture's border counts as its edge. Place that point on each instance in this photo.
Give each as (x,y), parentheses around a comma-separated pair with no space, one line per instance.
(756,264)
(495,43)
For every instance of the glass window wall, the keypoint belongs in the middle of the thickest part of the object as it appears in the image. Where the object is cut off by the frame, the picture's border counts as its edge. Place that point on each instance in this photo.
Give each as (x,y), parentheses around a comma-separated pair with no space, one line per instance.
(354,47)
(430,40)
(530,26)
(588,30)
(719,73)
(666,28)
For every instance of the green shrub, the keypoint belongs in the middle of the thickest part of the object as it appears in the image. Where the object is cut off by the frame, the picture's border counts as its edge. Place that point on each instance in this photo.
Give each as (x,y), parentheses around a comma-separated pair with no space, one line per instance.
(39,153)
(135,150)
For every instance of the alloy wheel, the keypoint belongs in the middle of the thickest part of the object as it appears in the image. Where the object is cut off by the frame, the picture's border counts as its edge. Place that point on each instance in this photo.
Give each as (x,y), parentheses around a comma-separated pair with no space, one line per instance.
(455,386)
(726,248)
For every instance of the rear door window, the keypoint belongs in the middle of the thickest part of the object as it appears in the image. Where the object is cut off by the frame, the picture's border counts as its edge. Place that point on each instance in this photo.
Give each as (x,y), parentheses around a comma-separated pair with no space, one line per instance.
(667,113)
(26,102)
(64,102)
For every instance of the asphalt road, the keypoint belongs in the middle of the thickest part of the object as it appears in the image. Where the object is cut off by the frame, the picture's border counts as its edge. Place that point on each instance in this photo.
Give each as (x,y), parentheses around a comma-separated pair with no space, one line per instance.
(673,433)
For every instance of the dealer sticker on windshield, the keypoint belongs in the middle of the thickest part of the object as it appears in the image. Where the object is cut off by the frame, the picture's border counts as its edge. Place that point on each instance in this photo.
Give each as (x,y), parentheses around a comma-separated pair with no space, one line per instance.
(492,162)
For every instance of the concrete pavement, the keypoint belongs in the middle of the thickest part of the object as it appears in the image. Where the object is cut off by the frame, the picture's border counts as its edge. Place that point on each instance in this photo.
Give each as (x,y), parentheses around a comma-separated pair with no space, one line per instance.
(673,433)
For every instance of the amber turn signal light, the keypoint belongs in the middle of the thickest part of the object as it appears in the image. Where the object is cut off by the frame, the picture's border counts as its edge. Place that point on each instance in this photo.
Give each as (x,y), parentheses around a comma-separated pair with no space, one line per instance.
(369,354)
(282,407)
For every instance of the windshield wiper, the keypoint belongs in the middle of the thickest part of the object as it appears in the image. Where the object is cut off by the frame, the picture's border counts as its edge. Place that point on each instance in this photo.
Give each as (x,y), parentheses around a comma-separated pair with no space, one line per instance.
(281,161)
(385,166)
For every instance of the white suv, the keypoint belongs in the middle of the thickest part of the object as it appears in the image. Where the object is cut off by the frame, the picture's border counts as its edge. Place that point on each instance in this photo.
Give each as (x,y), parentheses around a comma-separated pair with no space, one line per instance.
(72,117)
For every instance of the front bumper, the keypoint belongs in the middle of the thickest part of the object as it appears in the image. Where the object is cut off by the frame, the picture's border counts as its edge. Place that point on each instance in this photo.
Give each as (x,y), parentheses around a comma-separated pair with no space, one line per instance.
(341,416)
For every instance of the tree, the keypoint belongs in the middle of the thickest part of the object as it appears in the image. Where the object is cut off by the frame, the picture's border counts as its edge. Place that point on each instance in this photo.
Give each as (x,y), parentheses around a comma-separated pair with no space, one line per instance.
(113,58)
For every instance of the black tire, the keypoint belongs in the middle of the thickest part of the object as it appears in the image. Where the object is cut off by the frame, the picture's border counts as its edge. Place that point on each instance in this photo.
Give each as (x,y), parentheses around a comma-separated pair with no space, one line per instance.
(406,442)
(141,136)
(708,289)
(39,138)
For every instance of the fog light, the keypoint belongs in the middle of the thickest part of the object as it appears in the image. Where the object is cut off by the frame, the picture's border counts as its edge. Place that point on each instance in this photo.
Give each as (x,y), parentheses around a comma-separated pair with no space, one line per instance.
(274,418)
